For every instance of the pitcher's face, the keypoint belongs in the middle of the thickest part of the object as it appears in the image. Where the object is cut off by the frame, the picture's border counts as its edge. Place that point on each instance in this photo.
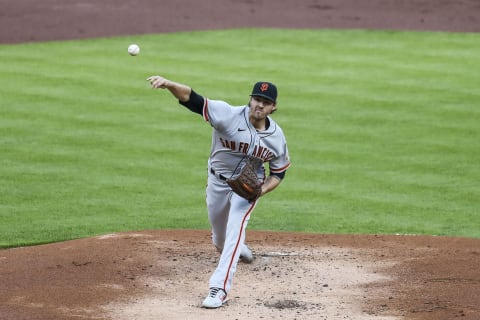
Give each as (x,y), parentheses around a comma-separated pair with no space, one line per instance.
(260,107)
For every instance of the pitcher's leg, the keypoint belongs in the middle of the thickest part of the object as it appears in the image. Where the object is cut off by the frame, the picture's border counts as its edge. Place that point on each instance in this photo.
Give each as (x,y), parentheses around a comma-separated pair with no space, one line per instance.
(218,206)
(240,210)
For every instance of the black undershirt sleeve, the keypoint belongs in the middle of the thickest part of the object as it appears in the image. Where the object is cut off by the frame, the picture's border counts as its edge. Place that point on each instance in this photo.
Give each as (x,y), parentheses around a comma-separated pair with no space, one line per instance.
(280,175)
(194,103)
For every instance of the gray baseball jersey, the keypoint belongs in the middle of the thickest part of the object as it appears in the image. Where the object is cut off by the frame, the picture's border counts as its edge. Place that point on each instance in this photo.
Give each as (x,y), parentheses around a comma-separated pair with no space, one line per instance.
(234,138)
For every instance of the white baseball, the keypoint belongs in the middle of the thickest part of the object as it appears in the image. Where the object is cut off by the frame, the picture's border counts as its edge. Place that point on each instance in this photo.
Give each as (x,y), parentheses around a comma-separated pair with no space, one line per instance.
(133,49)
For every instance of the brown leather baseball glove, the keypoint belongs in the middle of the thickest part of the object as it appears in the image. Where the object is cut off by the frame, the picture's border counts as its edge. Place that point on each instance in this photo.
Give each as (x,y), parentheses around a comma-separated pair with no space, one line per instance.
(246,184)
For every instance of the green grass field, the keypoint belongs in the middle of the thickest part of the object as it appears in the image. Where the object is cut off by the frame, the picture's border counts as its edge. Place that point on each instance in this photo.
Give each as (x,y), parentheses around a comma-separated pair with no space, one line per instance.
(383,130)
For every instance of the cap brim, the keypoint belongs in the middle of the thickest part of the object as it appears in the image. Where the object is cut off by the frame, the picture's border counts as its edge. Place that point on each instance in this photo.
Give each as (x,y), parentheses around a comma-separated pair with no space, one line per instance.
(263,96)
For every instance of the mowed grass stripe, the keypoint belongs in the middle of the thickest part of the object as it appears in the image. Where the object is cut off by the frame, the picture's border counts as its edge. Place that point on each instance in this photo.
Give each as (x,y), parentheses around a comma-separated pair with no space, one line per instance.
(402,131)
(382,129)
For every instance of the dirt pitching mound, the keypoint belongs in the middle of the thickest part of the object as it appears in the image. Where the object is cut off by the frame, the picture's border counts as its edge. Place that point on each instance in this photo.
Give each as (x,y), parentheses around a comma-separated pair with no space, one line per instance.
(164,275)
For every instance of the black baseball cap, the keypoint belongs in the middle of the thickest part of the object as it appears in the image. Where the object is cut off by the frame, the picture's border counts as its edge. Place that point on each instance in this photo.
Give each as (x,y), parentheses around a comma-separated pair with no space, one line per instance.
(266,90)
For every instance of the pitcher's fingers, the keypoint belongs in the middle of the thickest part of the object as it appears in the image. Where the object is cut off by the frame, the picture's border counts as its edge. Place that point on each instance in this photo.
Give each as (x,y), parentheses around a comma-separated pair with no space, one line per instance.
(156,82)
(151,78)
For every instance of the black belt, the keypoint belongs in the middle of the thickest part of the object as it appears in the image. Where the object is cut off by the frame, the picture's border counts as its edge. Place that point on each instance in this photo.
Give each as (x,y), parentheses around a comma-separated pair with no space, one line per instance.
(220,176)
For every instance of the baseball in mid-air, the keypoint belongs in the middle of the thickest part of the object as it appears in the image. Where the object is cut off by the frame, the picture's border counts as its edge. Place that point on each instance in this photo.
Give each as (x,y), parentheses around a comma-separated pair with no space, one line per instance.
(133,49)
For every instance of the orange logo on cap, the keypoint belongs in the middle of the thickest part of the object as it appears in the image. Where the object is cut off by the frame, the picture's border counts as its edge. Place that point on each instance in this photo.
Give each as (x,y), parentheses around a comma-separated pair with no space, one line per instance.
(264,87)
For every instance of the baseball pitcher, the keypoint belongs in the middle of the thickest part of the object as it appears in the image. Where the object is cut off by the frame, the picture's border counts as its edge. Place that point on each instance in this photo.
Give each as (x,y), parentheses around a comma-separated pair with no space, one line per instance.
(244,138)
